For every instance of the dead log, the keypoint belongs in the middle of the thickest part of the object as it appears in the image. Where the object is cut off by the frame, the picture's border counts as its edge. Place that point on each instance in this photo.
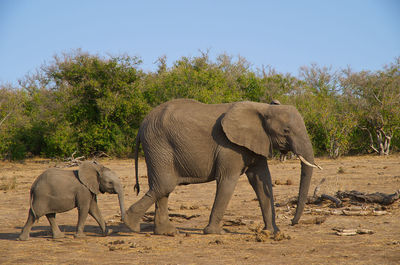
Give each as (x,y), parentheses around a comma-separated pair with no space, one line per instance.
(184,216)
(352,232)
(337,201)
(376,197)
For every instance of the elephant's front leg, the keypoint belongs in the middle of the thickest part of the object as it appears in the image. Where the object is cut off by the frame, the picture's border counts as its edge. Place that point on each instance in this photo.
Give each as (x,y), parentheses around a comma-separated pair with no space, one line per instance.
(225,189)
(163,225)
(83,211)
(94,211)
(260,179)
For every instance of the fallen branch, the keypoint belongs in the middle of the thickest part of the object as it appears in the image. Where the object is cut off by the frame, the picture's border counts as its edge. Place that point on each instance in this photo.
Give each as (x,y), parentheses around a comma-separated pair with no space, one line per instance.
(237,222)
(149,216)
(317,188)
(184,216)
(352,232)
(376,197)
(72,161)
(347,212)
(100,154)
(363,212)
(337,201)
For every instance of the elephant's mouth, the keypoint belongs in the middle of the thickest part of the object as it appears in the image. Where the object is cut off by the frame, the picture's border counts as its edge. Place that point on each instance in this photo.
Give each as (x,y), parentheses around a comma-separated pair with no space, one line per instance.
(284,151)
(281,145)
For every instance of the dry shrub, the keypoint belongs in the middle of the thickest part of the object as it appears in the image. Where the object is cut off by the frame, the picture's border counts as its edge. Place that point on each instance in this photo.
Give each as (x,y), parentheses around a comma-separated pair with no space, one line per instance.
(8,184)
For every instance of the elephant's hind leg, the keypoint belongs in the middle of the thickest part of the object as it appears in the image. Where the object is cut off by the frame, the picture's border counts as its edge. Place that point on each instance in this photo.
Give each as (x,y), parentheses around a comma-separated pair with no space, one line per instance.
(134,214)
(27,227)
(163,225)
(51,217)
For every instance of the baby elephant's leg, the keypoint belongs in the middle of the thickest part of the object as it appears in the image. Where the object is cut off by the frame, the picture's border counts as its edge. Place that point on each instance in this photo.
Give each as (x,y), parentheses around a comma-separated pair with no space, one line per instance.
(27,227)
(94,211)
(83,210)
(51,217)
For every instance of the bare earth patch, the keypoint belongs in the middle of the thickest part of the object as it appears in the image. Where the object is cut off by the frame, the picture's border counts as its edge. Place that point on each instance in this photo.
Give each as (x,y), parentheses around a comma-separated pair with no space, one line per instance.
(368,239)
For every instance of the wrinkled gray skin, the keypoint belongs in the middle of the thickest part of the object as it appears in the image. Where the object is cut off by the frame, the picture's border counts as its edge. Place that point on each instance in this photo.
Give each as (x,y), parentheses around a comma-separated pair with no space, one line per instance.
(57,191)
(186,142)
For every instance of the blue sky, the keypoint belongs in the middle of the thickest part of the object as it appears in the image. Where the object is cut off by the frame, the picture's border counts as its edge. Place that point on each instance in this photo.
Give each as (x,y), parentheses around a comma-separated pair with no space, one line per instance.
(363,34)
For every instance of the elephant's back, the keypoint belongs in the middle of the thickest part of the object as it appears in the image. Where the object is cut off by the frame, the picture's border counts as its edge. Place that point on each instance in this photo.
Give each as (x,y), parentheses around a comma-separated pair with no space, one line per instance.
(56,181)
(183,114)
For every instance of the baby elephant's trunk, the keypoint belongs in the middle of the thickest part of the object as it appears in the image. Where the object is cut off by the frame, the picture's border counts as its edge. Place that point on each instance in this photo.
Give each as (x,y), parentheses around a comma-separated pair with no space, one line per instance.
(120,191)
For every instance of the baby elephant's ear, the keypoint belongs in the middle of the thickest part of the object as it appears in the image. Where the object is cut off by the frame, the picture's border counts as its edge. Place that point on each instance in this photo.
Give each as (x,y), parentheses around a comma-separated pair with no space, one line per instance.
(88,175)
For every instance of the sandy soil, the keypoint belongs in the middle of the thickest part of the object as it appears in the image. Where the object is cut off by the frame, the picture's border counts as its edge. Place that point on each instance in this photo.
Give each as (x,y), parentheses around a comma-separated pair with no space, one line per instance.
(243,243)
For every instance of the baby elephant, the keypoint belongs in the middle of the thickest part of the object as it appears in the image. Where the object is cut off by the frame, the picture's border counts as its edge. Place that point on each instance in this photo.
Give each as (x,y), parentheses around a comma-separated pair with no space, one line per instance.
(57,191)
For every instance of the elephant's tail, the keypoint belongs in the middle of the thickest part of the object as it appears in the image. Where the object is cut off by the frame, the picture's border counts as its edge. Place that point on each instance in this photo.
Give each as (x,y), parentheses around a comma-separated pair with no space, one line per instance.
(136,156)
(31,206)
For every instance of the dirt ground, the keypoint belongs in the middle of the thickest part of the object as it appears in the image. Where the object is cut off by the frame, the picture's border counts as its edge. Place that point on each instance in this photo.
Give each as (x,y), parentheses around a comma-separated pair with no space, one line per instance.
(243,242)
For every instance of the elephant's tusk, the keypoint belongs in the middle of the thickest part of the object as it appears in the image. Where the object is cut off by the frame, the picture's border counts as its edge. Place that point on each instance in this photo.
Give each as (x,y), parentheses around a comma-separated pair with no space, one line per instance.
(308,163)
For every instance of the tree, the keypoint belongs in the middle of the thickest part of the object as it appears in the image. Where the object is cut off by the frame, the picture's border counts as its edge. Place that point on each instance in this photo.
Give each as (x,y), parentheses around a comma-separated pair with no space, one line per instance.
(103,103)
(197,78)
(325,112)
(12,118)
(375,96)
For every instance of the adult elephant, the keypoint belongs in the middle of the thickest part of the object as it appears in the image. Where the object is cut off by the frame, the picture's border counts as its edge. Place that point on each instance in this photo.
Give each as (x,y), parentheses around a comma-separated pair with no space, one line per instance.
(186,142)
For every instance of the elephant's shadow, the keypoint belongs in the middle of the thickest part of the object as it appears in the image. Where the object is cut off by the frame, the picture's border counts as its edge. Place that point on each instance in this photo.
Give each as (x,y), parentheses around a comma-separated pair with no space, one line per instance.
(115,230)
(44,231)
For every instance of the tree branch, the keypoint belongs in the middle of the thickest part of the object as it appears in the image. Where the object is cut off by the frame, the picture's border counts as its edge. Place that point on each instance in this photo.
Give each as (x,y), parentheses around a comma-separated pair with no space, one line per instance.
(377,99)
(372,140)
(8,114)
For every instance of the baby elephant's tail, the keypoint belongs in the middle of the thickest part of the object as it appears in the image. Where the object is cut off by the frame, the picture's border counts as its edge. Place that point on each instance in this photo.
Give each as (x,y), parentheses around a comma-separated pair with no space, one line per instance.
(31,205)
(136,156)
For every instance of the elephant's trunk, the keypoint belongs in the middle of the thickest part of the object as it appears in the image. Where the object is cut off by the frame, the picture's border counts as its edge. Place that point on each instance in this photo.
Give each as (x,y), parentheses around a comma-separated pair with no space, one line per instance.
(120,191)
(305,180)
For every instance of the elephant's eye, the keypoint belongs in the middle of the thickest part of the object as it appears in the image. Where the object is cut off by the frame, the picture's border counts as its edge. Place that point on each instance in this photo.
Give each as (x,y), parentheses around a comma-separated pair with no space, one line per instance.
(286,131)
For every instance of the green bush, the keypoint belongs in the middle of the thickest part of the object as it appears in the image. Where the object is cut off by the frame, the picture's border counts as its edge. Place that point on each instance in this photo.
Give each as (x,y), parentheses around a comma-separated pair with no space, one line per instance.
(87,104)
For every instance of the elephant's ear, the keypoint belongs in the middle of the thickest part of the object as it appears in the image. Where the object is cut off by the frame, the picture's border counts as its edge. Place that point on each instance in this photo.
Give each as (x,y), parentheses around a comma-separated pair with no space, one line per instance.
(88,175)
(243,125)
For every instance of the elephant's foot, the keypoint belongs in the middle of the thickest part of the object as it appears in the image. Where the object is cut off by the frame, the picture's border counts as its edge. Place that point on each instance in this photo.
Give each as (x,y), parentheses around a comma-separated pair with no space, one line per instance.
(23,237)
(133,225)
(79,235)
(105,231)
(213,230)
(271,230)
(167,229)
(58,235)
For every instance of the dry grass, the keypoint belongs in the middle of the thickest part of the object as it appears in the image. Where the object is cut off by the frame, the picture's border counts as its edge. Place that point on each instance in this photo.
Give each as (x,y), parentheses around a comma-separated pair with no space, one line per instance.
(8,183)
(313,241)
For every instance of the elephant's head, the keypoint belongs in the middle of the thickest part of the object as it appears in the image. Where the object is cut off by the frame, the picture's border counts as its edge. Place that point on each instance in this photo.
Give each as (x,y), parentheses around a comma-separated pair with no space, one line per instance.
(98,178)
(264,127)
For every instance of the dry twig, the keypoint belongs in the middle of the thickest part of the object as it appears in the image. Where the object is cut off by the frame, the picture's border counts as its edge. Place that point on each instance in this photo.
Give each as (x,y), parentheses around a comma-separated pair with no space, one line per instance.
(72,161)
